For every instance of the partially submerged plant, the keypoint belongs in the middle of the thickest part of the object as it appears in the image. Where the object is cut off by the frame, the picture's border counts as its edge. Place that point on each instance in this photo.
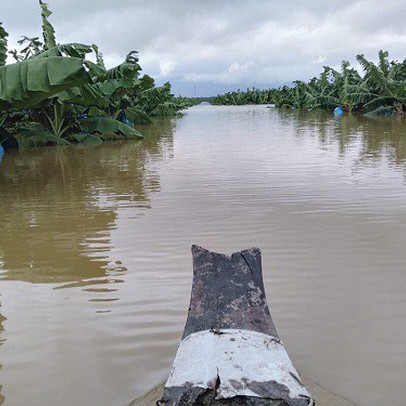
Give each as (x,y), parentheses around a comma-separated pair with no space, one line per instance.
(52,87)
(382,84)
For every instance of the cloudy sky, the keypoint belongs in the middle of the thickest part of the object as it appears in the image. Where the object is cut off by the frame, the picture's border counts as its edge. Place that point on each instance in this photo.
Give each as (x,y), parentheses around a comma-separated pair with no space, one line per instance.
(220,45)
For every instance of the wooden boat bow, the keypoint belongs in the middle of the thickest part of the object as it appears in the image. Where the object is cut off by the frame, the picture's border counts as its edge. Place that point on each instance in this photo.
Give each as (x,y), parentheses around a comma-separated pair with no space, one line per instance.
(230,353)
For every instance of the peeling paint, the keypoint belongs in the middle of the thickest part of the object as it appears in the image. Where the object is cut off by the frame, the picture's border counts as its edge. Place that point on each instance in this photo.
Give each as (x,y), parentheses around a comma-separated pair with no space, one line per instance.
(230,353)
(247,363)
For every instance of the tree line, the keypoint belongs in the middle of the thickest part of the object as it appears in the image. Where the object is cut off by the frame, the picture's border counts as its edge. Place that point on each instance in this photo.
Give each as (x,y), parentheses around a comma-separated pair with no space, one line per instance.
(379,89)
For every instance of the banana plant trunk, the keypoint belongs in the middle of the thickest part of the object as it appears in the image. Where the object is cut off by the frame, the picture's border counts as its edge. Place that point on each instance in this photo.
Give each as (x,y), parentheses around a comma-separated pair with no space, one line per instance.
(230,352)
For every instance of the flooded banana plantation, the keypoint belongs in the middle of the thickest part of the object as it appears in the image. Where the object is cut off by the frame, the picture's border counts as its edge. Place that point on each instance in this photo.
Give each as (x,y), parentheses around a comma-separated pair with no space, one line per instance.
(95,263)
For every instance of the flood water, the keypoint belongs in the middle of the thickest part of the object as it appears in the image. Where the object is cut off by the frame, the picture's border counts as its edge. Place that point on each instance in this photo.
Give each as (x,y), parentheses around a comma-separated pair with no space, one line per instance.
(95,263)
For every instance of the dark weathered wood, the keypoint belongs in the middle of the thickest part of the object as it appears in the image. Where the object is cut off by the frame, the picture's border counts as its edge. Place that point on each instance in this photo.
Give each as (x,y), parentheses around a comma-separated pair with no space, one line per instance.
(228,292)
(230,353)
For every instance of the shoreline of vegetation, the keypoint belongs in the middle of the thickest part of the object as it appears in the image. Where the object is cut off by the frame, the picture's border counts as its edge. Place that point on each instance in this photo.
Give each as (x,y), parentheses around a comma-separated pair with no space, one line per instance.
(379,91)
(54,95)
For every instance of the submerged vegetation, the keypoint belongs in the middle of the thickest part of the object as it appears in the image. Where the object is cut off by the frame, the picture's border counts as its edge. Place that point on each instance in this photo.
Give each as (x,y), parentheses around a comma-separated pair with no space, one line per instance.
(57,94)
(54,95)
(380,89)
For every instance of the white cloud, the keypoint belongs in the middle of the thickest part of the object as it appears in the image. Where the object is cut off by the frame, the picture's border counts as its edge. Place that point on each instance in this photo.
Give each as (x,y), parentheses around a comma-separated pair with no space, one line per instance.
(236,67)
(232,43)
(166,67)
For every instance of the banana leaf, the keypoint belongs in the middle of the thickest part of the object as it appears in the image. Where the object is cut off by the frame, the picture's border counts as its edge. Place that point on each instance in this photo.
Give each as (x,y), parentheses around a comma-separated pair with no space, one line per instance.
(382,111)
(108,87)
(74,49)
(105,124)
(138,116)
(3,45)
(96,112)
(99,56)
(87,138)
(124,71)
(36,138)
(47,28)
(95,94)
(383,100)
(25,84)
(88,95)
(3,118)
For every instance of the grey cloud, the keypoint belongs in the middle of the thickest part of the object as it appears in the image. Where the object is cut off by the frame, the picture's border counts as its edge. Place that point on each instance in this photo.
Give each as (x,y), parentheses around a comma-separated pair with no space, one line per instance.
(233,43)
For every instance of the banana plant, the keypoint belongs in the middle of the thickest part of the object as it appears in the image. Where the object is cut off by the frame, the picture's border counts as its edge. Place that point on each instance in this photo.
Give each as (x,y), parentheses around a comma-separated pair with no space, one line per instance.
(382,85)
(25,84)
(32,47)
(48,30)
(3,45)
(56,90)
(45,80)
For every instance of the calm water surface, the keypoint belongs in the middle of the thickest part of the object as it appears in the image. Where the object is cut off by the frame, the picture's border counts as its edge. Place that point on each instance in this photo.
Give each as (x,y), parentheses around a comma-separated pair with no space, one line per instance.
(95,263)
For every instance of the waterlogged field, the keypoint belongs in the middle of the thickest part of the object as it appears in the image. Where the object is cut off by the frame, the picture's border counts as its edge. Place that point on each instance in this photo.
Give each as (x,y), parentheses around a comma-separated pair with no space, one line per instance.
(95,263)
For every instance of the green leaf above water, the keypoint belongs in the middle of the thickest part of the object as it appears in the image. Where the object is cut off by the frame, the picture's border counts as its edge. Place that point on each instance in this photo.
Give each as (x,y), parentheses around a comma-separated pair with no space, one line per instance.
(105,124)
(87,138)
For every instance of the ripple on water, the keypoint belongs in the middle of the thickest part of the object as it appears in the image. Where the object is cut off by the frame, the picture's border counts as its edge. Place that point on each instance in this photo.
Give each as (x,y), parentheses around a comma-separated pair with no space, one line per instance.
(95,251)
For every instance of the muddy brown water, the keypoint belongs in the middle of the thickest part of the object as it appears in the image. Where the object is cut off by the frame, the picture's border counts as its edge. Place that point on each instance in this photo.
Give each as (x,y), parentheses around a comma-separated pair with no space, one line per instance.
(95,263)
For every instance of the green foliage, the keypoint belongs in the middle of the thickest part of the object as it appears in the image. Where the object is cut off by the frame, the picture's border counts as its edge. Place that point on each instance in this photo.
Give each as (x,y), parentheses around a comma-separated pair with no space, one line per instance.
(38,137)
(186,102)
(87,138)
(250,96)
(25,84)
(3,45)
(103,125)
(48,31)
(74,49)
(54,95)
(383,84)
(99,56)
(32,48)
(88,95)
(29,134)
(138,116)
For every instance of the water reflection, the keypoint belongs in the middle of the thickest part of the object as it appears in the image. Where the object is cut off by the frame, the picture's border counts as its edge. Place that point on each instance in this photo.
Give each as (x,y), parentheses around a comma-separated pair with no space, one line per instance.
(58,208)
(2,318)
(376,138)
(56,222)
(241,176)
